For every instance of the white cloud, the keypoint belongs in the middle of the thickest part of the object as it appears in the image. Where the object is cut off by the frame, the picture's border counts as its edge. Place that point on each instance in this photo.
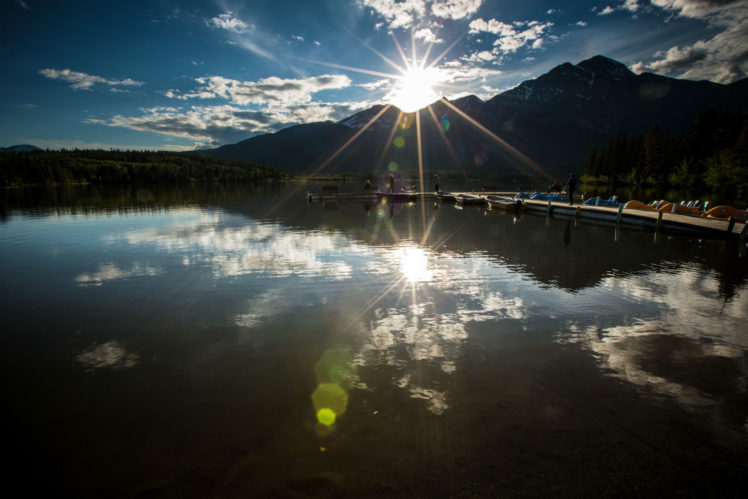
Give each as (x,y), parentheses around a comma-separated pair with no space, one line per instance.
(482,56)
(410,13)
(581,24)
(607,10)
(228,22)
(85,81)
(455,9)
(217,125)
(427,35)
(631,5)
(722,58)
(512,37)
(268,92)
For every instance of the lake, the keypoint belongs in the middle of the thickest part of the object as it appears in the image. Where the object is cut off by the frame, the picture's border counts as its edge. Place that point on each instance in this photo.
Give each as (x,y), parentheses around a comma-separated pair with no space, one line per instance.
(238,341)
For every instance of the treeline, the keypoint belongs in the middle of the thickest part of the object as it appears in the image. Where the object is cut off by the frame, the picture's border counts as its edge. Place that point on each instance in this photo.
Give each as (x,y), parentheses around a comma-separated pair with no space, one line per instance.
(709,159)
(101,167)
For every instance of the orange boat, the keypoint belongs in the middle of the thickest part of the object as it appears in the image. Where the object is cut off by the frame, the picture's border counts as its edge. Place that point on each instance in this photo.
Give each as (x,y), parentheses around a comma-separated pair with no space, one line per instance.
(638,205)
(724,212)
(680,208)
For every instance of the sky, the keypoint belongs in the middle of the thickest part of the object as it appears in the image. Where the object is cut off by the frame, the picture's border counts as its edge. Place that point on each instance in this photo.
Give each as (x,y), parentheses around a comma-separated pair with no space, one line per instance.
(183,74)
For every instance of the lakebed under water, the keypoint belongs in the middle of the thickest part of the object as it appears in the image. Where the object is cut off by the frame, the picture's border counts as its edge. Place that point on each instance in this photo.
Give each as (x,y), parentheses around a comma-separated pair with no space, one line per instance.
(240,341)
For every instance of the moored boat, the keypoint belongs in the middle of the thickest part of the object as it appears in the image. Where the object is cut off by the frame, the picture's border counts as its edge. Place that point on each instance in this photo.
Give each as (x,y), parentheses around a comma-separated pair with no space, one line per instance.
(504,203)
(469,199)
(445,196)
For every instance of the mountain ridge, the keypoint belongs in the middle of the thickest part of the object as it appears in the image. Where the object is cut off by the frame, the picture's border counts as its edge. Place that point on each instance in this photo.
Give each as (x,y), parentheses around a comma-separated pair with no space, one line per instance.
(544,126)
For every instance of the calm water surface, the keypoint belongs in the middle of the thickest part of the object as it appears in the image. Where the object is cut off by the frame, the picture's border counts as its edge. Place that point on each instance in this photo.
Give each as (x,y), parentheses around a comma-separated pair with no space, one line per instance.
(241,342)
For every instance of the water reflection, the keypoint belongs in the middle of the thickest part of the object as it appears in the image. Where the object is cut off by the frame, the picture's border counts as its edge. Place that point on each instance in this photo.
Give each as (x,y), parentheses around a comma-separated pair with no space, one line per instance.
(110,272)
(111,355)
(418,311)
(685,344)
(466,345)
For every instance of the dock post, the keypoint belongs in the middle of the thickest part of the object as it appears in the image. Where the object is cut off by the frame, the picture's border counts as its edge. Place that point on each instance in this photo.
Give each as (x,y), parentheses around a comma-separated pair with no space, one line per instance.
(659,222)
(550,208)
(579,212)
(620,213)
(730,225)
(744,232)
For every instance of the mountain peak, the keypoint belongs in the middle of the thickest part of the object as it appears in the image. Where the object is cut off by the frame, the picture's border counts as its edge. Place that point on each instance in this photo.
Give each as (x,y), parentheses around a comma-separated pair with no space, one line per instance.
(601,65)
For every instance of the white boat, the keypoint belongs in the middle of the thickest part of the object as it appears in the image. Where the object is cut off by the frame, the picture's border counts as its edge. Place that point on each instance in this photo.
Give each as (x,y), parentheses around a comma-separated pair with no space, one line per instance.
(445,196)
(503,203)
(469,199)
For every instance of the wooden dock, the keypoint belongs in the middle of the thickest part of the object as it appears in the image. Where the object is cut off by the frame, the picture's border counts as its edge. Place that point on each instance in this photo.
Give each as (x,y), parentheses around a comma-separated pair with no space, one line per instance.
(670,223)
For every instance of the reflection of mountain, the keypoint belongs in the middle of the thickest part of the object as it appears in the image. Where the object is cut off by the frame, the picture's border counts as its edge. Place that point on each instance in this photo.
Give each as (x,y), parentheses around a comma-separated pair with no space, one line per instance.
(554,251)
(554,119)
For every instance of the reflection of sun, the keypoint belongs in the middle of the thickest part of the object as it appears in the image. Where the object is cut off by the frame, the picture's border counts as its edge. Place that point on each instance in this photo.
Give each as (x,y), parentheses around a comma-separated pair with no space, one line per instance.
(415,88)
(414,264)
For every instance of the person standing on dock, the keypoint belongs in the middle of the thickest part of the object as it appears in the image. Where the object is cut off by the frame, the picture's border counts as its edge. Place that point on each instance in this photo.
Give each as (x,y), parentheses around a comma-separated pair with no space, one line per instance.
(571,185)
(436,183)
(391,186)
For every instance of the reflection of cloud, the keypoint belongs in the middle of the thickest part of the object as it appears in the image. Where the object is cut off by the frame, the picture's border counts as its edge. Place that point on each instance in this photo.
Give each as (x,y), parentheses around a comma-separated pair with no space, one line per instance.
(271,303)
(670,353)
(108,355)
(399,337)
(269,249)
(110,272)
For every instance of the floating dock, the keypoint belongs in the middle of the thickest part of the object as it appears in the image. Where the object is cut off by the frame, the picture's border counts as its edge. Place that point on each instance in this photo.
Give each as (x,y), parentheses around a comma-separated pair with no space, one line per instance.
(671,223)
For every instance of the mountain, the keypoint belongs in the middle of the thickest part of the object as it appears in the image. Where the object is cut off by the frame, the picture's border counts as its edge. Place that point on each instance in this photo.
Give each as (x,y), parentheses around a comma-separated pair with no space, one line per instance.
(540,130)
(20,148)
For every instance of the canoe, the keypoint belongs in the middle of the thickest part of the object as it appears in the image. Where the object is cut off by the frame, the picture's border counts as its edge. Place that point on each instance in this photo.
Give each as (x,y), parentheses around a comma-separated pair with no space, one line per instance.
(503,203)
(397,196)
(469,199)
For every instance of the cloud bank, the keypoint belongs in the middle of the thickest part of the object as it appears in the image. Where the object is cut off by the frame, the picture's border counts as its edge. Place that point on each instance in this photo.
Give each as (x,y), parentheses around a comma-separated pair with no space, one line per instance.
(722,58)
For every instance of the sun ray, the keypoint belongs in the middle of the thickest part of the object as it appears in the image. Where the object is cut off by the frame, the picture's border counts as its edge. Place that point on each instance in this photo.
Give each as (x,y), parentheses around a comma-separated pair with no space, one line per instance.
(445,52)
(447,143)
(420,165)
(350,141)
(388,144)
(537,169)
(349,68)
(406,63)
(293,192)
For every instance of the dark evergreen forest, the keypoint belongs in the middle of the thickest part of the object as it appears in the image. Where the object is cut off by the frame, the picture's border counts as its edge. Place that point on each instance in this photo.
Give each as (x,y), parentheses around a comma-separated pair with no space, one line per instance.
(40,168)
(708,159)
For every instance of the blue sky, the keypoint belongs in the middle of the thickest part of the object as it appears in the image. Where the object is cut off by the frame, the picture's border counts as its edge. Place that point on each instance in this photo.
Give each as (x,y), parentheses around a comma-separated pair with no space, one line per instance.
(175,75)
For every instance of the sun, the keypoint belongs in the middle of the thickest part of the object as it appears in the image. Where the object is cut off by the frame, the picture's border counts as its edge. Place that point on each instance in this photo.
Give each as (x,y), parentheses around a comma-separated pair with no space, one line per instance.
(416,88)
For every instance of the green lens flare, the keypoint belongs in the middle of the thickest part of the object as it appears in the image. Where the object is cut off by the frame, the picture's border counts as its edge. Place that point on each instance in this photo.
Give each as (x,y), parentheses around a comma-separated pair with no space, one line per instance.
(326,416)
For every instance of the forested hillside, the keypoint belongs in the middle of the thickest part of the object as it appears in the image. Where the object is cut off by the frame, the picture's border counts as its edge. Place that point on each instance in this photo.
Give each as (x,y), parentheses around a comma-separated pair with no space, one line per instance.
(708,157)
(124,167)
